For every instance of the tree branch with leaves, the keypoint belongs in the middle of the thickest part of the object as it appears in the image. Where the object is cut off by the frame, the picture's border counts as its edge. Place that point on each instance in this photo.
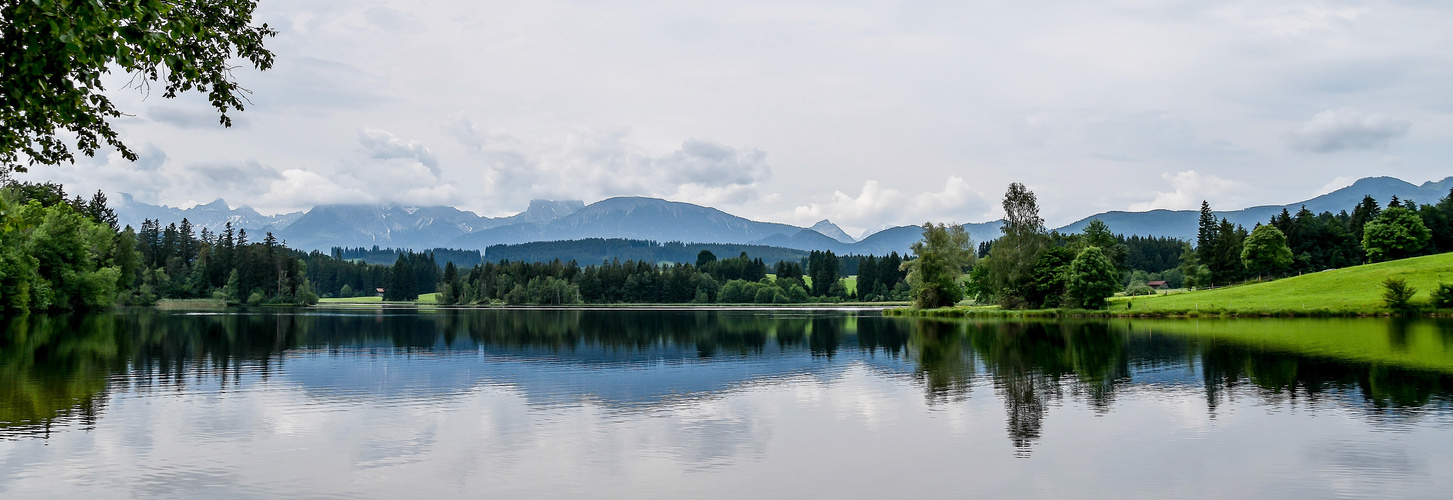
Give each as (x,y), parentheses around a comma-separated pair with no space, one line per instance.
(54,55)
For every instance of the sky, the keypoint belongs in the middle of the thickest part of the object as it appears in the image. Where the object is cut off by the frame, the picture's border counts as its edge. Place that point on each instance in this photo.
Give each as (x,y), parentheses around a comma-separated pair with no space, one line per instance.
(868,113)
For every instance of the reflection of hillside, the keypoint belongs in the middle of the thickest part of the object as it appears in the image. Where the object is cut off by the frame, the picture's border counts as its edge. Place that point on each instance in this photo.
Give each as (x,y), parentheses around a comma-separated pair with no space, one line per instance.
(1033,365)
(1400,342)
(47,373)
(61,368)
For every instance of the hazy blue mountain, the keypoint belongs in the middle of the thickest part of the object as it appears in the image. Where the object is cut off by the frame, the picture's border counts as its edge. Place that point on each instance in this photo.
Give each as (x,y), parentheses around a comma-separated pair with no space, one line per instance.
(212,216)
(806,239)
(540,212)
(899,239)
(1183,223)
(831,230)
(633,218)
(327,226)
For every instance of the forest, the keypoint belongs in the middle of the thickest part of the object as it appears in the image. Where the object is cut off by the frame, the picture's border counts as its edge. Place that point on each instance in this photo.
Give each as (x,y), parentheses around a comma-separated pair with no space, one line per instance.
(604,249)
(387,256)
(708,280)
(59,253)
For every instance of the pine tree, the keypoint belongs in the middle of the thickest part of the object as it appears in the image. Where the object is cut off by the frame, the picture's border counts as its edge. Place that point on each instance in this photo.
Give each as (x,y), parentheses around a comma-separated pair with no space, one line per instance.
(1364,213)
(1206,234)
(186,244)
(97,209)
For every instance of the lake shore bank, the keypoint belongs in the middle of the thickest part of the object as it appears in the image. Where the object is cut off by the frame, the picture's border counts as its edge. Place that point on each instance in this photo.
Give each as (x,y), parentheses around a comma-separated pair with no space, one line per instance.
(845,306)
(995,312)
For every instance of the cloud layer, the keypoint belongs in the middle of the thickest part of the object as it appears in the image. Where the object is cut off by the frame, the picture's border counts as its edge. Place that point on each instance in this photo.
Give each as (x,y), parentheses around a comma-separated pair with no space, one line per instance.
(784,109)
(1345,129)
(877,207)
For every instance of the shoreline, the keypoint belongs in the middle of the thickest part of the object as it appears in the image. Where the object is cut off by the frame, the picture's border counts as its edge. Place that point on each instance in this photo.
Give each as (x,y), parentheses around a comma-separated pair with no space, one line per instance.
(971,312)
(846,306)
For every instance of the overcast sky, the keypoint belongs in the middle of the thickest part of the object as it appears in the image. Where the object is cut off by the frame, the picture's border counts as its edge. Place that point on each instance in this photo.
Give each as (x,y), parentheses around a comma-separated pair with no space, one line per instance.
(866,113)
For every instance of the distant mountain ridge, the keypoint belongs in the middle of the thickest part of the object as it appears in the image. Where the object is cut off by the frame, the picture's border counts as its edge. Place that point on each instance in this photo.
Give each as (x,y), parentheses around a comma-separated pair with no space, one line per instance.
(327,226)
(212,216)
(827,228)
(634,218)
(1183,223)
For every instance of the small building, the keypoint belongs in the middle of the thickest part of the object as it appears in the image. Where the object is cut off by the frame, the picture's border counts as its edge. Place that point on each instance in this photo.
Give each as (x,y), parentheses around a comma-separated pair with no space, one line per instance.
(1156,285)
(378,291)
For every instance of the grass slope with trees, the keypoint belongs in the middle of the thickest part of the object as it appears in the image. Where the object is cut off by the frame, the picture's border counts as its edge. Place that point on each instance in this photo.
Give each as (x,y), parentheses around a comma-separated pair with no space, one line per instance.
(1295,265)
(1337,292)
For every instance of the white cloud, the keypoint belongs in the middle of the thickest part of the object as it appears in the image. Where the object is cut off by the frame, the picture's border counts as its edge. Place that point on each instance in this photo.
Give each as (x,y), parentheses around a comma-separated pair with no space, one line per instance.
(1335,184)
(383,145)
(193,117)
(877,207)
(1345,129)
(1188,190)
(157,178)
(1298,19)
(714,165)
(590,165)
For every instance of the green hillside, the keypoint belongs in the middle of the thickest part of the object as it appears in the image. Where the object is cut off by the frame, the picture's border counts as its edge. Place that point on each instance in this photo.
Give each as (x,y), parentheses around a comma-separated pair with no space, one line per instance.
(1340,291)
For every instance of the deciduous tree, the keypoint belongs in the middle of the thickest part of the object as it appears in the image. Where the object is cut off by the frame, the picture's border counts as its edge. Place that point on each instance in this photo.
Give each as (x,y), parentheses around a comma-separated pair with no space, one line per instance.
(55,53)
(1093,278)
(1265,250)
(1396,233)
(941,257)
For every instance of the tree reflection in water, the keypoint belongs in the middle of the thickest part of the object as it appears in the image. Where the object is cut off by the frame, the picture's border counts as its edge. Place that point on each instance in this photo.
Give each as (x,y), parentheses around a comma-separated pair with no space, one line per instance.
(61,368)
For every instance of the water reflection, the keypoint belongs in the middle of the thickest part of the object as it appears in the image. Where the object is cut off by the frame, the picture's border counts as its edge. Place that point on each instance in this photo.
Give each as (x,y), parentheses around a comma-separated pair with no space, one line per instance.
(58,371)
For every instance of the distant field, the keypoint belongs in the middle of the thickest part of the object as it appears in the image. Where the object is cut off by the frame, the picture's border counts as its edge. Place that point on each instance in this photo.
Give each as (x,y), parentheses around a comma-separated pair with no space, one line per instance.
(1348,290)
(428,298)
(351,300)
(851,282)
(190,304)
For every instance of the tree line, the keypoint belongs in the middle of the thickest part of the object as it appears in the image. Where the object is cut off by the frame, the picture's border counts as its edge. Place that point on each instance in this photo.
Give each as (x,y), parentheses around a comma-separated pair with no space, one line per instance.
(387,256)
(59,253)
(1305,242)
(709,280)
(605,249)
(1026,267)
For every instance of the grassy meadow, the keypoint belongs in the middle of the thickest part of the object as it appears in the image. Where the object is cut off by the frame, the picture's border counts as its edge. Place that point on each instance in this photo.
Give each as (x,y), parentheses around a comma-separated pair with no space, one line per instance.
(428,298)
(1352,290)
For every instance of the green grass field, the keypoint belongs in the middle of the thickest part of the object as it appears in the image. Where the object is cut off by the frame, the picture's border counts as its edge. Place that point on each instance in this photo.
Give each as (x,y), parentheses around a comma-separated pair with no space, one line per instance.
(851,282)
(428,298)
(1352,290)
(351,300)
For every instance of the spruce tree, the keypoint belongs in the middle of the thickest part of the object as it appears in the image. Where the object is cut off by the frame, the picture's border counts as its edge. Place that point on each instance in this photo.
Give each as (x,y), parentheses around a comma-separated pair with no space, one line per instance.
(1206,234)
(1364,213)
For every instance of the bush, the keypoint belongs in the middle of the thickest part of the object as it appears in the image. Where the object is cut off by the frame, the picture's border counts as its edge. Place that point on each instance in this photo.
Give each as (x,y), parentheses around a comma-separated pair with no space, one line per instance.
(1138,288)
(1443,296)
(1398,294)
(307,297)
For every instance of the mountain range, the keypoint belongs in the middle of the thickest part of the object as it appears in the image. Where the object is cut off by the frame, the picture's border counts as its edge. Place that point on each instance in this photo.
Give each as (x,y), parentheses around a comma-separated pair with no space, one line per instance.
(327,226)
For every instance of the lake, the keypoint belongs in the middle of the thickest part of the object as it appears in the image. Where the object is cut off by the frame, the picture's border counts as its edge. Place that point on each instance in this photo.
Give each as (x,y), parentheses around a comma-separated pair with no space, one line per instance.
(731,403)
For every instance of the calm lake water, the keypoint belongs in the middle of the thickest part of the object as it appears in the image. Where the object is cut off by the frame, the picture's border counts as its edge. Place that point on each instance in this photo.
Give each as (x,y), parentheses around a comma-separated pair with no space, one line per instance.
(719,404)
